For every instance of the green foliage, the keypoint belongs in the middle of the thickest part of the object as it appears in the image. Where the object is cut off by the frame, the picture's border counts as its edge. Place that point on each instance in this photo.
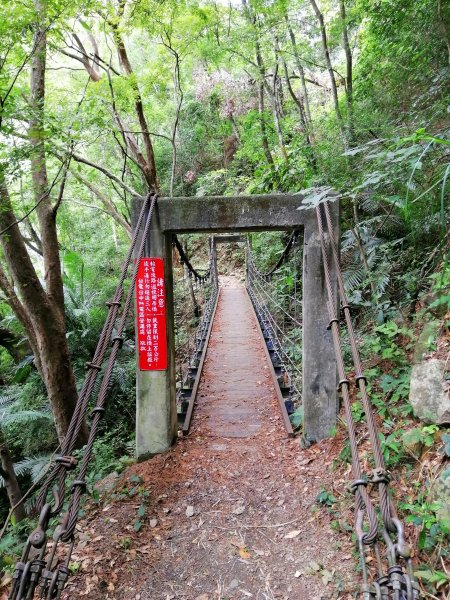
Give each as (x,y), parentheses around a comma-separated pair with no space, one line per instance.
(325,498)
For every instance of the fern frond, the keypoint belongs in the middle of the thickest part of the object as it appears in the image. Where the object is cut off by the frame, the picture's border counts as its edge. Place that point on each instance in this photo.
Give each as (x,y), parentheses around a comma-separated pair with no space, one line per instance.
(354,275)
(23,416)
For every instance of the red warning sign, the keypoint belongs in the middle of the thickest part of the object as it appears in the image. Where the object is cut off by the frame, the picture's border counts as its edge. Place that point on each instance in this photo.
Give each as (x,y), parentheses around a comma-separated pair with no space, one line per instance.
(151,315)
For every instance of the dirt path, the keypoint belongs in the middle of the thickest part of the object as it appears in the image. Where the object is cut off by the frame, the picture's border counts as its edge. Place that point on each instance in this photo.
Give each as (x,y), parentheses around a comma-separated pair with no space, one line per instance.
(231,511)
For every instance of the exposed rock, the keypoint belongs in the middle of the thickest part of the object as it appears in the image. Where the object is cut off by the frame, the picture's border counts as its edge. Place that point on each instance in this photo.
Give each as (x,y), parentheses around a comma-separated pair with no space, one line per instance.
(412,442)
(429,392)
(426,338)
(442,496)
(429,302)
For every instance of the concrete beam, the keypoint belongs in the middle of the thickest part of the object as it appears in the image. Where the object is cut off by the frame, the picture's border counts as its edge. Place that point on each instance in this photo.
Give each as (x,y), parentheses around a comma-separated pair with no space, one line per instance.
(220,214)
(227,239)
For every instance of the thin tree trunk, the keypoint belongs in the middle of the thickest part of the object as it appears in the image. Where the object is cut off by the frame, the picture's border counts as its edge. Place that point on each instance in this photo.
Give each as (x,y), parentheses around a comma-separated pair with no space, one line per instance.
(363,255)
(107,203)
(195,305)
(326,52)
(179,101)
(300,69)
(10,478)
(45,213)
(312,158)
(444,27)
(149,168)
(262,123)
(275,104)
(349,71)
(262,73)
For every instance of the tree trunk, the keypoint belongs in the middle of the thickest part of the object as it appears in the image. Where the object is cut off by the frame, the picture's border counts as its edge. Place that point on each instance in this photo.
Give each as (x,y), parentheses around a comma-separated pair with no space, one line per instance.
(275,103)
(349,72)
(149,165)
(262,73)
(444,27)
(195,305)
(262,123)
(41,311)
(42,320)
(326,52)
(44,210)
(311,157)
(11,483)
(301,71)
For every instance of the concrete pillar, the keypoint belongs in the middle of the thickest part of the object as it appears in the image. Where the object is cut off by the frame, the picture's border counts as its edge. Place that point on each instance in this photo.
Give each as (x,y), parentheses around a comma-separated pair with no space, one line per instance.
(320,399)
(156,410)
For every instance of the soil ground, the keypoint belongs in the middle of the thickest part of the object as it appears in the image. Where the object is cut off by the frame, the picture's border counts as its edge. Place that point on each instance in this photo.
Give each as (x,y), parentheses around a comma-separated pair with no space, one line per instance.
(231,510)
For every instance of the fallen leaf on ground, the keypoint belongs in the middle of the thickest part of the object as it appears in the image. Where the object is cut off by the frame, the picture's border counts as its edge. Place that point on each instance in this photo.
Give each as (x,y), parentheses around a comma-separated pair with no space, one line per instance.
(238,510)
(292,534)
(244,553)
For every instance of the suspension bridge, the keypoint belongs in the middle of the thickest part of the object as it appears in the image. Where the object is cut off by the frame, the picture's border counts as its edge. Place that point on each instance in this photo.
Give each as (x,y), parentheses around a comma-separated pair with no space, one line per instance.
(242,361)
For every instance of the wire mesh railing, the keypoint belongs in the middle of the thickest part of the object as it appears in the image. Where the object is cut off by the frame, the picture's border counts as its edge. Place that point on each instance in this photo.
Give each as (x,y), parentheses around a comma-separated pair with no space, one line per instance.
(276,297)
(195,299)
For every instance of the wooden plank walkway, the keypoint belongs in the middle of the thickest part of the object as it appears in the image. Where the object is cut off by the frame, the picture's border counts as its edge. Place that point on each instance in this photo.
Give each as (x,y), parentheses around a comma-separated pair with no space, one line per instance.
(231,513)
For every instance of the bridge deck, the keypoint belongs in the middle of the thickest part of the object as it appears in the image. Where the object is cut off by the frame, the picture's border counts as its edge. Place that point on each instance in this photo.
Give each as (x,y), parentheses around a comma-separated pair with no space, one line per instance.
(246,485)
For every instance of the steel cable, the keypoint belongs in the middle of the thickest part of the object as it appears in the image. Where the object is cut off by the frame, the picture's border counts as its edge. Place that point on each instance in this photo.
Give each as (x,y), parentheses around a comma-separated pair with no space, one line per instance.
(380,475)
(284,255)
(185,260)
(66,462)
(396,584)
(33,569)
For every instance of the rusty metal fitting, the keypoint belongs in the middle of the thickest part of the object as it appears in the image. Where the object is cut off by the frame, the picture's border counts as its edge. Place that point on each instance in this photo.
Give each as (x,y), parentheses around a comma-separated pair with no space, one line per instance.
(111,303)
(38,537)
(118,338)
(383,585)
(396,578)
(343,382)
(79,483)
(35,570)
(68,462)
(380,476)
(46,577)
(354,485)
(19,568)
(91,365)
(330,324)
(97,409)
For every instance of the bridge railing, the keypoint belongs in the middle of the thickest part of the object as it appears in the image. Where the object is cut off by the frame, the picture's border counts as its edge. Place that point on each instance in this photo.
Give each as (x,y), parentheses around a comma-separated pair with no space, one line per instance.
(192,345)
(279,313)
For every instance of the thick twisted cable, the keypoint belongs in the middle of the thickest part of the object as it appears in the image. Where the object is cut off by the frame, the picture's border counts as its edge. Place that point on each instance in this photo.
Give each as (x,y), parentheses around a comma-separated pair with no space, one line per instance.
(79,486)
(89,382)
(284,255)
(372,534)
(187,262)
(387,509)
